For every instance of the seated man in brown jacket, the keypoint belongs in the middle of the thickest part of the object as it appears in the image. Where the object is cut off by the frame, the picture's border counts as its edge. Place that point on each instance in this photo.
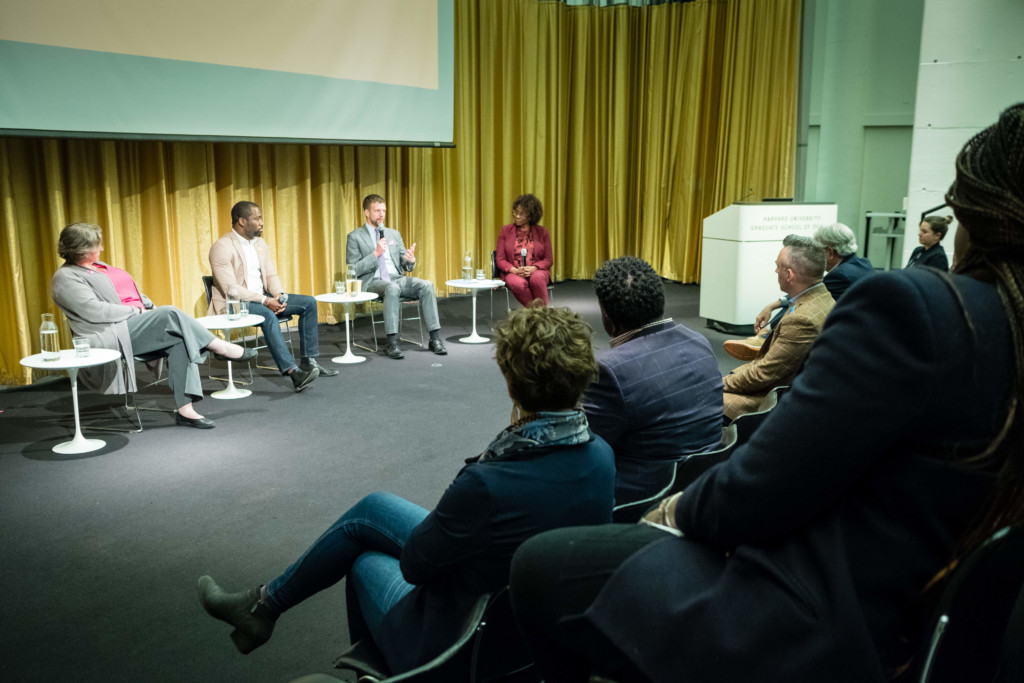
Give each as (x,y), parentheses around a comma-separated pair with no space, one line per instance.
(800,268)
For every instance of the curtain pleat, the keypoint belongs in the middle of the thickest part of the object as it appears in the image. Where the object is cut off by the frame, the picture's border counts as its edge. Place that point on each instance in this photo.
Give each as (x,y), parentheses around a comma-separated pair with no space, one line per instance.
(631,125)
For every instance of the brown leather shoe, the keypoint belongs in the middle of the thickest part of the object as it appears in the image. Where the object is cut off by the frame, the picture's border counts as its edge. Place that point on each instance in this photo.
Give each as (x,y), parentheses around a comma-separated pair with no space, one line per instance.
(744,349)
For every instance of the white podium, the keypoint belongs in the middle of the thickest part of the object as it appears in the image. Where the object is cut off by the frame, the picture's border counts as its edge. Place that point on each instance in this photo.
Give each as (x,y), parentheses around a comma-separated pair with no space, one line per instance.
(738,250)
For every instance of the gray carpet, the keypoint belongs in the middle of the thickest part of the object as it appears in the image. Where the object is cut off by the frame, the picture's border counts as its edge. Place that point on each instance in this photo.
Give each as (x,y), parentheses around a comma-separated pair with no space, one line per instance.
(101,551)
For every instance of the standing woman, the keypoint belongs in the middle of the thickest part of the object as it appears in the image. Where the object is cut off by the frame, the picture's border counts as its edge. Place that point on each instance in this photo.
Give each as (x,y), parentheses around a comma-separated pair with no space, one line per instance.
(524,252)
(103,304)
(931,253)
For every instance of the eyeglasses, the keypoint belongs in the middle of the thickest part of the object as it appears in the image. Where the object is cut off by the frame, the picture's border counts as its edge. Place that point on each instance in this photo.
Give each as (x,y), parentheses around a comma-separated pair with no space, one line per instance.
(519,214)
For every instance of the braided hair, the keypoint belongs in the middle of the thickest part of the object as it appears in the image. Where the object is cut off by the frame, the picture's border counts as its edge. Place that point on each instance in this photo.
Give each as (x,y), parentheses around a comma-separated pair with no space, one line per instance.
(988,200)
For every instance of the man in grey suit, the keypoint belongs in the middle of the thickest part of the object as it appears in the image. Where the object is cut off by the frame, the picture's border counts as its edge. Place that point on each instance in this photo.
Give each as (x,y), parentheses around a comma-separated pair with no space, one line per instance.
(381,261)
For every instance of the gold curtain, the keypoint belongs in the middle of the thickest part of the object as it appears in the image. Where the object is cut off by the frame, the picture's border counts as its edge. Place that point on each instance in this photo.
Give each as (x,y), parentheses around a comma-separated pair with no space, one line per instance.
(631,125)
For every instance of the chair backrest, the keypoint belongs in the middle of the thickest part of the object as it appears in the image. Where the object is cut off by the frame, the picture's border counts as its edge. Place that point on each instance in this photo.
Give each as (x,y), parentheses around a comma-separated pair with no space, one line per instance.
(494,265)
(499,651)
(969,634)
(697,464)
(208,286)
(689,468)
(488,649)
(747,423)
(453,664)
(771,400)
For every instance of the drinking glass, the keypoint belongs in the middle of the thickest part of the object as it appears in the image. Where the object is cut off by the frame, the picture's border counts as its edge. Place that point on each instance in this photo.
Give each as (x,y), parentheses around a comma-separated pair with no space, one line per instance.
(81,346)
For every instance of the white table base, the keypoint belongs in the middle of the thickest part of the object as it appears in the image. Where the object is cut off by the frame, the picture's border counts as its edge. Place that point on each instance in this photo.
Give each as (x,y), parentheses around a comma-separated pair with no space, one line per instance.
(348,358)
(231,391)
(474,338)
(79,444)
(222,322)
(474,286)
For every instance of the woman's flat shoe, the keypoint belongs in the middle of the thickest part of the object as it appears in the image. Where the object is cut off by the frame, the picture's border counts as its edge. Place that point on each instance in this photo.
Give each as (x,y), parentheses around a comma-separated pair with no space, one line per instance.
(197,422)
(247,355)
(253,622)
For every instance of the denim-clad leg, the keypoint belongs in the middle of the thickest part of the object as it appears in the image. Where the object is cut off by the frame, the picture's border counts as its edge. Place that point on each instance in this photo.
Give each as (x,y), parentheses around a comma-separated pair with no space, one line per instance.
(275,340)
(377,583)
(309,336)
(380,522)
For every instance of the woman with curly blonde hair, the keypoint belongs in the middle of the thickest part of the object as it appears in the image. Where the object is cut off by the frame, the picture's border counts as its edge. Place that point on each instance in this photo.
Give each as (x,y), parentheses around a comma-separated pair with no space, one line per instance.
(413,573)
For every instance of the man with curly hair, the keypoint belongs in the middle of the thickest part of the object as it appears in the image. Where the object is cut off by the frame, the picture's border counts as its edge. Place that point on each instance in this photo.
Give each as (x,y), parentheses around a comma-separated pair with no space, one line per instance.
(658,396)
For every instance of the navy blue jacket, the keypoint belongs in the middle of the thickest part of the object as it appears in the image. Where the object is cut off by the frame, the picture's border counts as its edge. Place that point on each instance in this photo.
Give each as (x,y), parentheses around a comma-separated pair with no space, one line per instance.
(806,553)
(846,272)
(464,547)
(657,398)
(934,258)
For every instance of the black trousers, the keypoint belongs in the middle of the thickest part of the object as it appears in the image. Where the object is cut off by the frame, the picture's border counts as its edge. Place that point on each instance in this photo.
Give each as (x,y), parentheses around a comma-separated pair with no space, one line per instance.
(555,577)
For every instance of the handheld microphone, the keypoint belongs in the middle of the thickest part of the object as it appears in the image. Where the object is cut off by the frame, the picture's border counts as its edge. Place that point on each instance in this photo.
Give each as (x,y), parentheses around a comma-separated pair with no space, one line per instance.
(380,232)
(523,254)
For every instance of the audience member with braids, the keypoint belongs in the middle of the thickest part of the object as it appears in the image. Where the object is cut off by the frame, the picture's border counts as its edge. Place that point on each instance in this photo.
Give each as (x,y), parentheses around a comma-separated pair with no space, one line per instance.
(807,555)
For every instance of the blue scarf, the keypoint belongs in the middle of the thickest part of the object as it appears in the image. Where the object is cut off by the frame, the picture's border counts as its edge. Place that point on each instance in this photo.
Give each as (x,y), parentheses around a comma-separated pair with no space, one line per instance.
(564,428)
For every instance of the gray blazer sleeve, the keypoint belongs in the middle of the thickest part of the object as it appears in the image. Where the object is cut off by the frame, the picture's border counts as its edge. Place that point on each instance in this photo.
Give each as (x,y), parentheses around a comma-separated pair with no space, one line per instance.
(359,254)
(84,298)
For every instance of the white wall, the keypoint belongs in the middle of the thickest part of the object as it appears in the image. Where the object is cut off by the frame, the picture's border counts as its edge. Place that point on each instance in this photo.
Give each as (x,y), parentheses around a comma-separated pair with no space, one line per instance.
(861,98)
(971,68)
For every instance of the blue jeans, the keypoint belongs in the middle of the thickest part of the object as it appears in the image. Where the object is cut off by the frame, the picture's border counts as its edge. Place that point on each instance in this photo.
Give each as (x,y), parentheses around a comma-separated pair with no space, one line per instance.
(364,544)
(309,338)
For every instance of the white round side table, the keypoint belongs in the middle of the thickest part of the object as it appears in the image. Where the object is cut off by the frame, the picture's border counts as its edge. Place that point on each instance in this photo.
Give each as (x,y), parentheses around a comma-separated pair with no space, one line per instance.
(348,300)
(70,361)
(223,322)
(475,286)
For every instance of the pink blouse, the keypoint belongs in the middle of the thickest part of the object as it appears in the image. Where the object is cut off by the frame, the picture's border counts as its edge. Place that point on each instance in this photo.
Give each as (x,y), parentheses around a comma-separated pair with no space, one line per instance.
(124,285)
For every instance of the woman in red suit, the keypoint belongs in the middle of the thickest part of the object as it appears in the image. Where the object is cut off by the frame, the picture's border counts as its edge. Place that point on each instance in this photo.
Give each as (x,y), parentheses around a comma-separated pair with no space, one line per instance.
(524,252)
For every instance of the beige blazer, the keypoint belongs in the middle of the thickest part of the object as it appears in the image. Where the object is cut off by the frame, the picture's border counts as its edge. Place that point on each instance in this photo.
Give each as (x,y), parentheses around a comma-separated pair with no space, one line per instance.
(227,262)
(781,356)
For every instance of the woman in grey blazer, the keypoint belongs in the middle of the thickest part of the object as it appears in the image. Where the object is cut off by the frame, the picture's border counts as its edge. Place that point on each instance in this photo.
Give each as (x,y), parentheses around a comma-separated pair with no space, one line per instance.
(103,304)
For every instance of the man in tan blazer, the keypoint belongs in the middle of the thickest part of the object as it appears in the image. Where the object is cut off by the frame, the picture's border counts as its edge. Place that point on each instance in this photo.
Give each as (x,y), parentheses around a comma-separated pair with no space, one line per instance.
(800,268)
(241,259)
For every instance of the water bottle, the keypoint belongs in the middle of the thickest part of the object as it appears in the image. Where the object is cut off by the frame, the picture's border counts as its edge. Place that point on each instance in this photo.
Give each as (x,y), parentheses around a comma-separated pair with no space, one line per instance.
(467,267)
(234,310)
(48,342)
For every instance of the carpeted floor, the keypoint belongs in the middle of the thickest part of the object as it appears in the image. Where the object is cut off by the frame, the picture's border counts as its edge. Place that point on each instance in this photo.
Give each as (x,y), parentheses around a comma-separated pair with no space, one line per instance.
(101,551)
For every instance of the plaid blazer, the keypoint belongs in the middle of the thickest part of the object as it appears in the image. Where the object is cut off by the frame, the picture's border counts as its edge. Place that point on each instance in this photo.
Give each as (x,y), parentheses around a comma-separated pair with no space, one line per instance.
(784,351)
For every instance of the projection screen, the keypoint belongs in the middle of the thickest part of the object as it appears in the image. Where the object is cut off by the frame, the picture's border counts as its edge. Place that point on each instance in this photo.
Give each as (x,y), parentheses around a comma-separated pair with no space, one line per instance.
(348,71)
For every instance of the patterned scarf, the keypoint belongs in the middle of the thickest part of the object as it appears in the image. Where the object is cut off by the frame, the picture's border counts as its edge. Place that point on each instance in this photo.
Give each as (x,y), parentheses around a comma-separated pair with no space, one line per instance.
(546,429)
